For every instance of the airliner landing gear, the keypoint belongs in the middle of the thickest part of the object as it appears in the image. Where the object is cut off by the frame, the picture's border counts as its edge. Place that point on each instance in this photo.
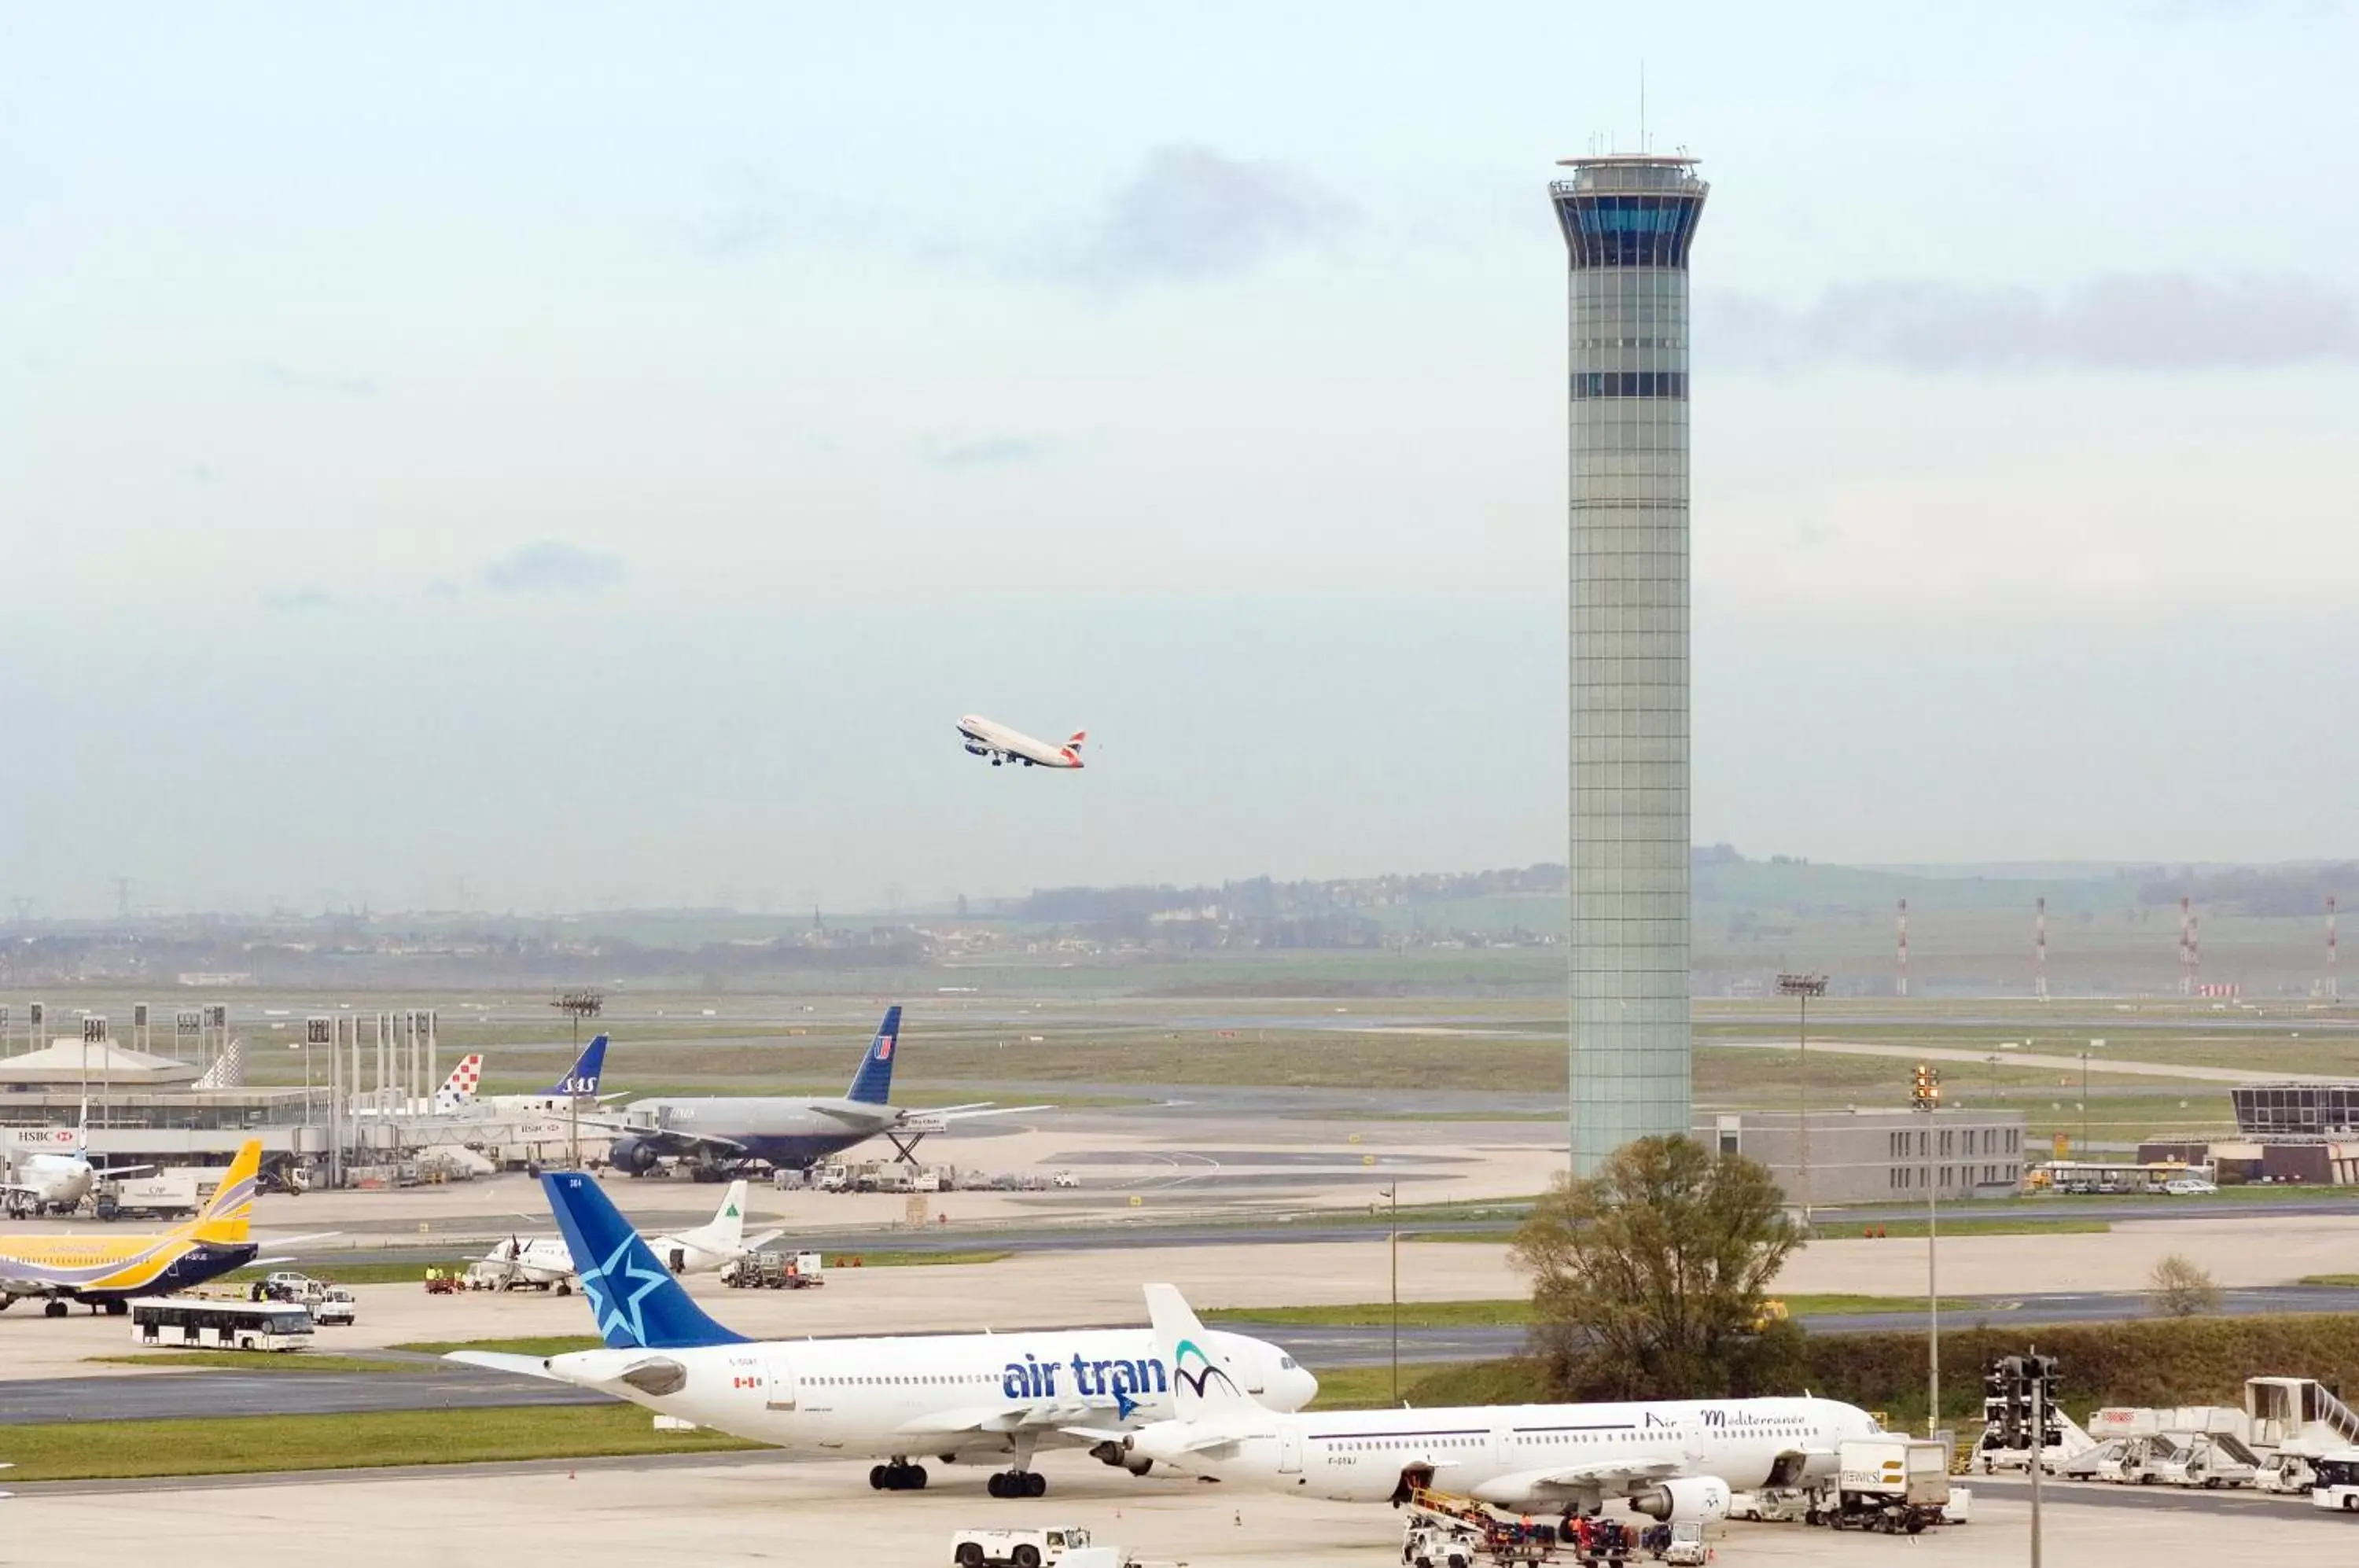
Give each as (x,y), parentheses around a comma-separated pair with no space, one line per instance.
(56,1309)
(1017,1483)
(116,1306)
(898,1477)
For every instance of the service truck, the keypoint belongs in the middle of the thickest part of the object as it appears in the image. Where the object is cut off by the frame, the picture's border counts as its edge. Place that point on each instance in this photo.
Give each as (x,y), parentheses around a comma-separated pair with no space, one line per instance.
(1891,1483)
(1026,1547)
(167,1194)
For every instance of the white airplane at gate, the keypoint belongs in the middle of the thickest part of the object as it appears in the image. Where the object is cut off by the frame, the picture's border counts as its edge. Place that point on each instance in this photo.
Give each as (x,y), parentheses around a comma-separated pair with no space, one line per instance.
(547,1260)
(1670,1458)
(964,1399)
(1002,744)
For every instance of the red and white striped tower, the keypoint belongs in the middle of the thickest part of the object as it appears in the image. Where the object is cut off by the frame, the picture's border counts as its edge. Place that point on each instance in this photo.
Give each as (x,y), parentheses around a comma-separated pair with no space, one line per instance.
(2039,954)
(2194,955)
(1904,947)
(2333,982)
(2185,947)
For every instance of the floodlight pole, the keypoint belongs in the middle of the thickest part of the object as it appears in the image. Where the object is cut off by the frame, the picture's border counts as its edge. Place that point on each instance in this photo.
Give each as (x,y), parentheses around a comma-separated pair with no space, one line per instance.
(1803,987)
(1925,1095)
(1392,1197)
(577,1005)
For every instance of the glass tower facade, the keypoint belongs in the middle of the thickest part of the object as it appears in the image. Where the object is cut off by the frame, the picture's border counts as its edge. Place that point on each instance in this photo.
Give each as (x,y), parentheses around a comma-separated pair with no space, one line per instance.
(1627,224)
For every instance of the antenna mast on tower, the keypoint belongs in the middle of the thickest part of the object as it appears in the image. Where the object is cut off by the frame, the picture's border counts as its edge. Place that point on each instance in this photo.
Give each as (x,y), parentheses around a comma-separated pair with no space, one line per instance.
(1903,952)
(2039,950)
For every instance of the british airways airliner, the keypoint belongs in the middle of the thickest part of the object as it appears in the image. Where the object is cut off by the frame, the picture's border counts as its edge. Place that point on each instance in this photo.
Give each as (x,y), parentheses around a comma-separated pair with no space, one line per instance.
(1002,744)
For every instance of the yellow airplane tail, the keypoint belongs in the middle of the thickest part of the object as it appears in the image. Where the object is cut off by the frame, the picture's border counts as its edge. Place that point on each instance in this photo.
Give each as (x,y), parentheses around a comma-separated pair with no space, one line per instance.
(224,1217)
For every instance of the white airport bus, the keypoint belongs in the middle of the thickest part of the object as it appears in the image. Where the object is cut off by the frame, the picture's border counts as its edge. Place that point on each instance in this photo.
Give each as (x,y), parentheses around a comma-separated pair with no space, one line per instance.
(2337,1483)
(201,1325)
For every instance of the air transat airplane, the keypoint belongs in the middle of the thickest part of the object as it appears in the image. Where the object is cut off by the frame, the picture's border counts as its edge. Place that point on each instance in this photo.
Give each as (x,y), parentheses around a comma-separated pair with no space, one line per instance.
(717,1135)
(965,1398)
(547,1260)
(107,1271)
(1671,1459)
(1002,744)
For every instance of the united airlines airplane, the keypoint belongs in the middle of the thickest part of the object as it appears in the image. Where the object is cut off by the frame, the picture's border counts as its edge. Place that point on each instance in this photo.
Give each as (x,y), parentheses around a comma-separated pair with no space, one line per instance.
(965,1398)
(717,1136)
(1002,744)
(1670,1458)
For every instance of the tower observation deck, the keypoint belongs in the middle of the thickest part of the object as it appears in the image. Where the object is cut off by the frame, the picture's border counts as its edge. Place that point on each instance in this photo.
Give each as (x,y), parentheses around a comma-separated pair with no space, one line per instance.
(1628,222)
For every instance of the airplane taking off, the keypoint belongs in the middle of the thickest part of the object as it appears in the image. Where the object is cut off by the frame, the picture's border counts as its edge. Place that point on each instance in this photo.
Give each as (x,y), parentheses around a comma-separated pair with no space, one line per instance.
(1670,1458)
(107,1272)
(966,1399)
(1002,744)
(547,1260)
(717,1135)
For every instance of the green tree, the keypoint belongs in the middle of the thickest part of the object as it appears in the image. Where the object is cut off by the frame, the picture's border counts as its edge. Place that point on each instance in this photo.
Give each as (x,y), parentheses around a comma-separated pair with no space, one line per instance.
(1649,1277)
(2182,1289)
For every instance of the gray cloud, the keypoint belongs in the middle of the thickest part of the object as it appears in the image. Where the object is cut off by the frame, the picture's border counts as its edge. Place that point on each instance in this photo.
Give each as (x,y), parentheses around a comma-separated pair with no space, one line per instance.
(289,601)
(1189,214)
(552,566)
(985,451)
(287,379)
(2157,321)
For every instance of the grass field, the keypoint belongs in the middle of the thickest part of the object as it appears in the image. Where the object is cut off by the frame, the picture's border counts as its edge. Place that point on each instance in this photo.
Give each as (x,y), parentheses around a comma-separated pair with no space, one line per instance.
(1902,1226)
(248,1444)
(547,1344)
(911,1260)
(2331,1279)
(1371,1388)
(1517,1312)
(256,1361)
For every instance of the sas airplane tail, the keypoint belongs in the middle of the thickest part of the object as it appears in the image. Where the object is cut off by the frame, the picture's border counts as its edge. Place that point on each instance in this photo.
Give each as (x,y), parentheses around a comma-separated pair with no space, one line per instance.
(582,1082)
(873,1085)
(1200,1385)
(225,1216)
(637,1305)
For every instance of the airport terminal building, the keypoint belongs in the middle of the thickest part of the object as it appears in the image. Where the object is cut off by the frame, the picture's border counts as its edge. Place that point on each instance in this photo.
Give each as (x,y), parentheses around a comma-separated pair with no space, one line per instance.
(1877,1156)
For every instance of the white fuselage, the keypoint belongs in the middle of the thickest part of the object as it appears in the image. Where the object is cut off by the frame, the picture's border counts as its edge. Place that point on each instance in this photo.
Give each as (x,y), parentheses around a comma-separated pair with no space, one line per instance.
(1537,1456)
(55,1180)
(985,738)
(954,1396)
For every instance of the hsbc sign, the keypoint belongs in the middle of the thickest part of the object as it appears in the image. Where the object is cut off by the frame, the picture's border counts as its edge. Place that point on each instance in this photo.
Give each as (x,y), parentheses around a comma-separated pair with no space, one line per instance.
(36,1140)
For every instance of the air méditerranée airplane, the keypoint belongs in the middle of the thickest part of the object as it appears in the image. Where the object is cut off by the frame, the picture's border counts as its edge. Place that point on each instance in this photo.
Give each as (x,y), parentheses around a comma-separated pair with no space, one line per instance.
(964,1399)
(108,1272)
(1672,1459)
(716,1135)
(1002,744)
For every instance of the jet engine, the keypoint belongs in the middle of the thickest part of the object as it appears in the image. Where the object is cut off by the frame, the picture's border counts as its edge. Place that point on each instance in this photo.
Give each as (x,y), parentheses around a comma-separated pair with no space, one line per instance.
(1119,1454)
(1703,1498)
(634,1155)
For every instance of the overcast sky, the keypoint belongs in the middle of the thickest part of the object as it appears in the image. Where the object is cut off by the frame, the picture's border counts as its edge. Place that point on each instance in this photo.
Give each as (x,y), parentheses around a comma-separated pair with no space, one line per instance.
(548,454)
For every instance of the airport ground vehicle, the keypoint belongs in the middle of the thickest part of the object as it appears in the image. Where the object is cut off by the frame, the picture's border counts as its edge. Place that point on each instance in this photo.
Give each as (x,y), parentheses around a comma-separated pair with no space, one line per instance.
(1771,1505)
(166,1194)
(336,1306)
(2334,1481)
(1022,1548)
(775,1271)
(197,1323)
(1892,1484)
(1063,1178)
(1431,1541)
(1686,1546)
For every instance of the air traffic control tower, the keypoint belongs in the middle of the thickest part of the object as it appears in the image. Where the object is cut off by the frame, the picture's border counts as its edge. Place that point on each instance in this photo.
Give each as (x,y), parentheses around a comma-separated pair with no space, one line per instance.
(1627,224)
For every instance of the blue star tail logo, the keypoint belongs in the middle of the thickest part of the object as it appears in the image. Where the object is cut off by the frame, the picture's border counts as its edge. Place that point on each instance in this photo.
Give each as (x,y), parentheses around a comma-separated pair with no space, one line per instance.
(1124,1404)
(622,1320)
